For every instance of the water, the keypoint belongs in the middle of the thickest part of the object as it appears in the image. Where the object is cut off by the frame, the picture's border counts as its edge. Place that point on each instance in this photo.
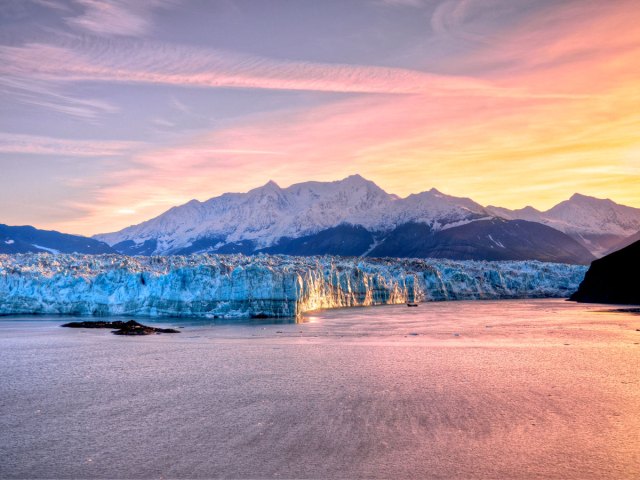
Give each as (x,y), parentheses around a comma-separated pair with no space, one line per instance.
(495,389)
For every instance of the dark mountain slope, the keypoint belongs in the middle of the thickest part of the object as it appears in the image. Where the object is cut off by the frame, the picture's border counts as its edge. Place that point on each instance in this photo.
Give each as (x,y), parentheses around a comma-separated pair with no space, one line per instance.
(129,247)
(625,242)
(494,239)
(346,240)
(613,279)
(27,239)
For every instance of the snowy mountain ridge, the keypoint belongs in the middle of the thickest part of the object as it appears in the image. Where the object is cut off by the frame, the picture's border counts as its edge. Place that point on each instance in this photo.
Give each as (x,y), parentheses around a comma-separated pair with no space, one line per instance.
(596,223)
(265,216)
(268,213)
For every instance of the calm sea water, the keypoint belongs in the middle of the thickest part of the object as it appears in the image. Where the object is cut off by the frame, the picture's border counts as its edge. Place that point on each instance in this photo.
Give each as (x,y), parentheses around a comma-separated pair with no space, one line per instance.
(495,389)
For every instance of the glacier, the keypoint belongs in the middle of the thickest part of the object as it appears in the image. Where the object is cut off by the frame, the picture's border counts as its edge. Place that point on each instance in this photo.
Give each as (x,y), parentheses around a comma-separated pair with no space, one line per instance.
(225,286)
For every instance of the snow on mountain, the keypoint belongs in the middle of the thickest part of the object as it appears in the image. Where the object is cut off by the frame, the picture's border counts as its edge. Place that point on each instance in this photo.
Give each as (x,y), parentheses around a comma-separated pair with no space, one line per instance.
(591,215)
(438,210)
(268,218)
(266,214)
(258,286)
(598,224)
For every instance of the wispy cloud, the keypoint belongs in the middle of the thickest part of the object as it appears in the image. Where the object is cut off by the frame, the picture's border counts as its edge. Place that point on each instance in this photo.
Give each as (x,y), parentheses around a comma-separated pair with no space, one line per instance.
(446,15)
(402,3)
(116,17)
(48,94)
(553,109)
(37,145)
(490,148)
(53,4)
(163,122)
(462,17)
(591,45)
(157,63)
(42,74)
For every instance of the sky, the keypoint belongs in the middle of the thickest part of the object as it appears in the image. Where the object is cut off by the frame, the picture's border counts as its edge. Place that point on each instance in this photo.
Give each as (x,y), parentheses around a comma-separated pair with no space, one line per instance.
(114,111)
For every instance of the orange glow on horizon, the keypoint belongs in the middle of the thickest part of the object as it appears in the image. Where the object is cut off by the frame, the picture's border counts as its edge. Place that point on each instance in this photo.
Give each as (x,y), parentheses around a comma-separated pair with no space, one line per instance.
(564,119)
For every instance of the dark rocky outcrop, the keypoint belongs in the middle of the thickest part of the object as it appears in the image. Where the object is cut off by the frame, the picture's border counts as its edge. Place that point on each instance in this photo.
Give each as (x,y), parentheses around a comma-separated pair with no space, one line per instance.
(613,279)
(121,328)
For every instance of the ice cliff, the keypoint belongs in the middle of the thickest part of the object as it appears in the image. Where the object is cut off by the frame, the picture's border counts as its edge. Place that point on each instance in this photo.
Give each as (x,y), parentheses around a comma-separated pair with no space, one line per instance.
(259,286)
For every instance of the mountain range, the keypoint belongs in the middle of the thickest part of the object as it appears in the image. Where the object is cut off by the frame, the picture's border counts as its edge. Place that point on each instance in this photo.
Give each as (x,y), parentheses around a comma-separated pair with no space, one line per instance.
(599,224)
(355,217)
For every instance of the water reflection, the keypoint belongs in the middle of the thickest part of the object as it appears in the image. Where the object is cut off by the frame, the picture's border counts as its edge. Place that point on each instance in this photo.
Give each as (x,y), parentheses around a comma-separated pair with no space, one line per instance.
(228,322)
(510,389)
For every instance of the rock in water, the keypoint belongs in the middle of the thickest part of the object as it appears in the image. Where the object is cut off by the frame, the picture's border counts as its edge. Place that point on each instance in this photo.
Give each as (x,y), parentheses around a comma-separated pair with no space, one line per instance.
(122,328)
(134,328)
(612,279)
(93,324)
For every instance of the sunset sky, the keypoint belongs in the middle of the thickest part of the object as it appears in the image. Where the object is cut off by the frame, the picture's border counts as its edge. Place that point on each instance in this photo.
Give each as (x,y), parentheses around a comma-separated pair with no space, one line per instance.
(112,112)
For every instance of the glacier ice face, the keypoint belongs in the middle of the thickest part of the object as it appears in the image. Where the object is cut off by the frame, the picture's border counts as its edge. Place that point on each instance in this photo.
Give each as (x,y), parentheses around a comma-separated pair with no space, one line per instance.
(256,286)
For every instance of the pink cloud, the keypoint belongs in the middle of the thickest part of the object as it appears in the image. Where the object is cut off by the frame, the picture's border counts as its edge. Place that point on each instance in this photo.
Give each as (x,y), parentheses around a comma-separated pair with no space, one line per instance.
(582,48)
(37,145)
(151,62)
(573,127)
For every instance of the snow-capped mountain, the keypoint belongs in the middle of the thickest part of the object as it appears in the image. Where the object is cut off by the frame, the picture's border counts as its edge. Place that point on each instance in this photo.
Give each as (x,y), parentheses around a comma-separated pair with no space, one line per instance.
(263,216)
(355,217)
(599,224)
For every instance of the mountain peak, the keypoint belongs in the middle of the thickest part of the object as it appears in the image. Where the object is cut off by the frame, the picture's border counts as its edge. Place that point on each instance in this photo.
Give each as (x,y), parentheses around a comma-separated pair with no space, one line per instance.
(269,187)
(529,209)
(581,201)
(576,197)
(356,176)
(586,199)
(271,184)
(356,179)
